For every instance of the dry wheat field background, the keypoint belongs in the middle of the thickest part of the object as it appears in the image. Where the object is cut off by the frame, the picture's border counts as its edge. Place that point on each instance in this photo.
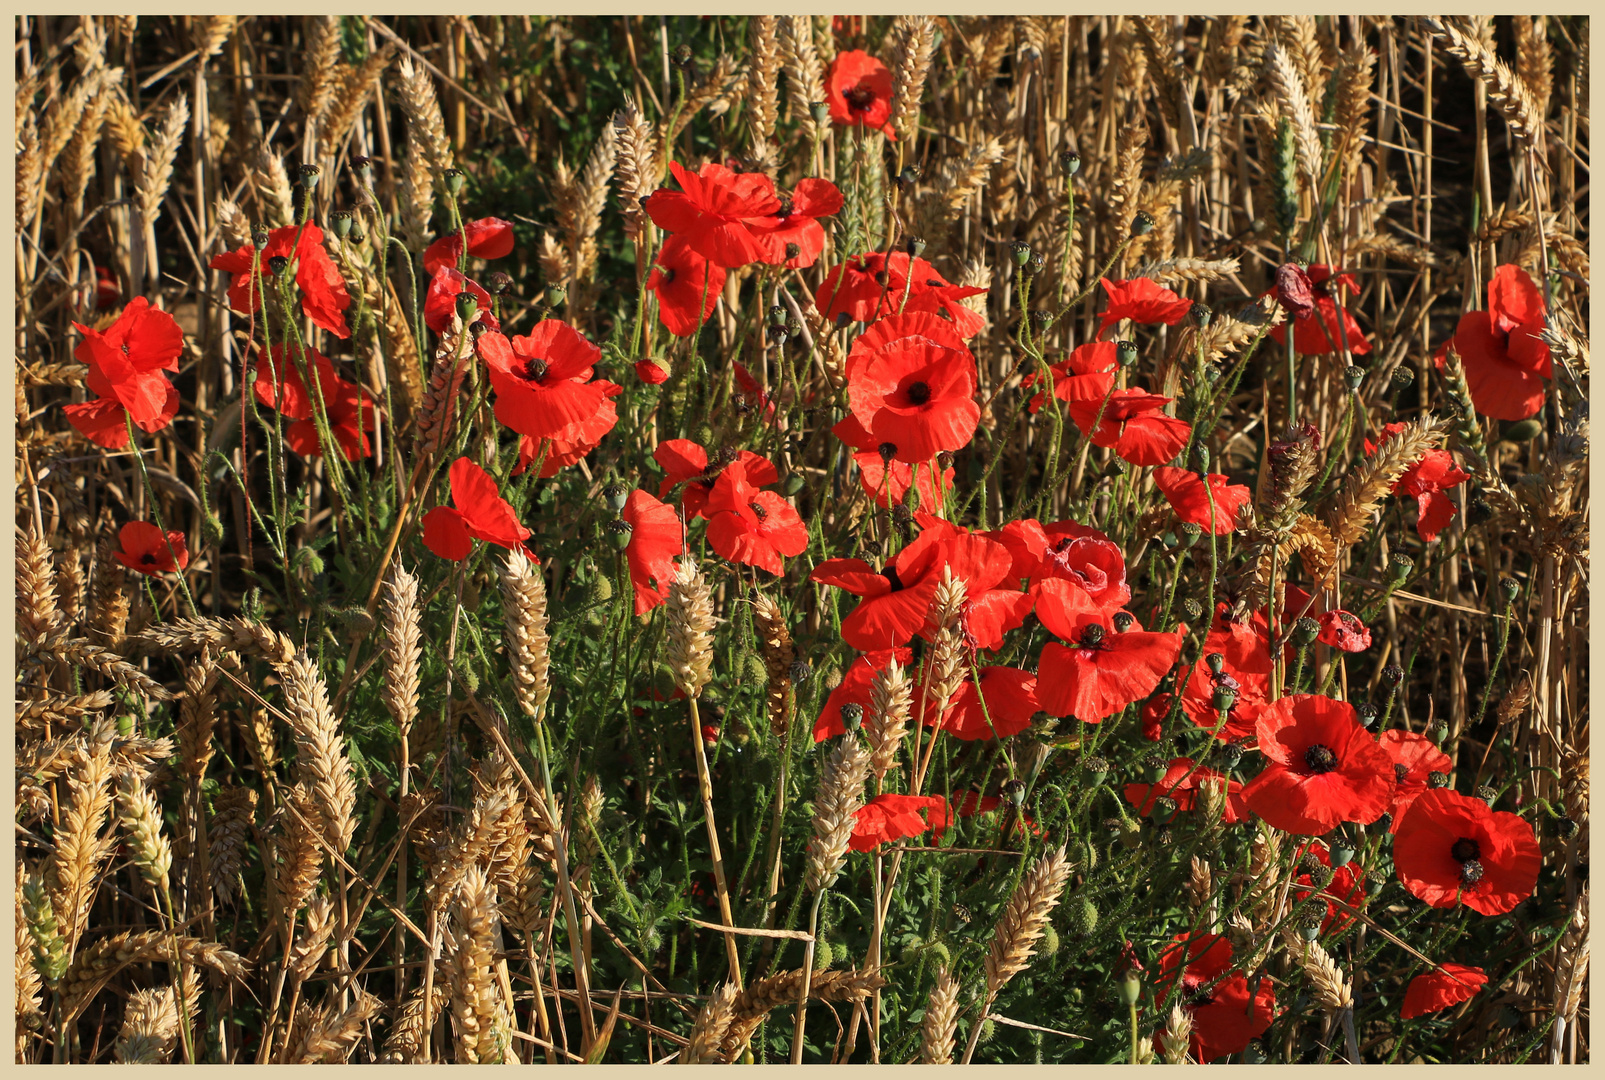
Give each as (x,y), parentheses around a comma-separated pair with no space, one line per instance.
(802,539)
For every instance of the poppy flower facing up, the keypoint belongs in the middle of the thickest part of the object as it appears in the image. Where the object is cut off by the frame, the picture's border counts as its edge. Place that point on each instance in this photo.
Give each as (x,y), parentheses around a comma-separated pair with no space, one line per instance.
(1225,1017)
(1415,758)
(323,291)
(749,526)
(1188,497)
(1344,630)
(125,362)
(1325,767)
(149,550)
(1006,698)
(911,384)
(1506,362)
(480,514)
(1434,991)
(683,281)
(1087,374)
(1426,481)
(887,482)
(722,215)
(1309,337)
(488,238)
(657,538)
(858,88)
(797,239)
(1134,425)
(854,689)
(1451,848)
(542,381)
(1181,783)
(575,441)
(348,408)
(892,817)
(1142,300)
(440,301)
(1102,671)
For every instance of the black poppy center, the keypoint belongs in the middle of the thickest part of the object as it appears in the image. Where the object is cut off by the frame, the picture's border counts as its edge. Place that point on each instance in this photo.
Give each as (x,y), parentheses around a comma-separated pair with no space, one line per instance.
(919,393)
(890,574)
(1466,850)
(147,559)
(860,98)
(757,511)
(535,370)
(1092,636)
(1400,772)
(665,275)
(1320,759)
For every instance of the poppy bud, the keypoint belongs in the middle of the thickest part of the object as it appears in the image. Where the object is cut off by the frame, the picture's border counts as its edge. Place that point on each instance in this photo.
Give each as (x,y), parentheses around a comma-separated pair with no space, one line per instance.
(915,246)
(1192,608)
(277,265)
(1393,675)
(1202,451)
(852,715)
(799,671)
(599,589)
(1097,769)
(1216,662)
(1142,224)
(794,483)
(340,223)
(1401,565)
(1083,915)
(1402,377)
(307,174)
(454,180)
(1354,375)
(1511,588)
(497,283)
(1070,162)
(1367,713)
(621,530)
(1122,621)
(1126,353)
(1092,635)
(1190,532)
(556,295)
(1020,252)
(1130,986)
(1306,630)
(887,451)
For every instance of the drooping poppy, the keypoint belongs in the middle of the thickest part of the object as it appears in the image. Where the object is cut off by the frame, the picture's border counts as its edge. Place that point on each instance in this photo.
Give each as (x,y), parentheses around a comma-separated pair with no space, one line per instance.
(1325,767)
(684,460)
(722,215)
(1426,481)
(149,550)
(1102,671)
(1142,300)
(1087,374)
(858,88)
(683,282)
(440,300)
(575,441)
(347,407)
(1446,986)
(657,538)
(1328,324)
(855,689)
(1181,784)
(654,370)
(480,513)
(887,481)
(912,385)
(1451,848)
(1134,425)
(1214,510)
(1226,1018)
(125,362)
(324,298)
(797,239)
(1506,361)
(1002,706)
(751,393)
(543,381)
(1344,630)
(749,526)
(1415,758)
(488,238)
(889,817)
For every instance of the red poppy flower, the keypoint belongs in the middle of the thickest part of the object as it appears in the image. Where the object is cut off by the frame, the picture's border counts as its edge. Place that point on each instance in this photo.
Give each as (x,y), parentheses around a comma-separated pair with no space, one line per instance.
(1225,1018)
(892,817)
(1181,783)
(887,483)
(1506,361)
(107,291)
(1293,290)
(488,238)
(1309,337)
(1087,374)
(1448,985)
(722,215)
(654,370)
(1344,630)
(684,281)
(323,291)
(348,408)
(1451,847)
(1245,652)
(752,393)
(1426,481)
(684,460)
(1103,671)
(854,689)
(992,606)
(1069,550)
(913,386)
(440,301)
(859,90)
(149,550)
(749,526)
(797,238)
(657,538)
(480,514)
(1192,502)
(1142,300)
(1347,884)
(1325,767)
(541,381)
(574,441)
(874,285)
(1415,758)
(1134,425)
(125,363)
(1007,697)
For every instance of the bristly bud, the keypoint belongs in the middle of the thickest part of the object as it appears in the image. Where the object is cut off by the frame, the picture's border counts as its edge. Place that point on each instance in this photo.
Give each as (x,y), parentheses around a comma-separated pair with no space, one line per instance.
(852,715)
(1142,224)
(1393,676)
(467,306)
(1401,565)
(1126,353)
(1511,588)
(1354,375)
(1306,630)
(497,283)
(340,223)
(1070,162)
(1123,621)
(1020,252)
(454,180)
(556,296)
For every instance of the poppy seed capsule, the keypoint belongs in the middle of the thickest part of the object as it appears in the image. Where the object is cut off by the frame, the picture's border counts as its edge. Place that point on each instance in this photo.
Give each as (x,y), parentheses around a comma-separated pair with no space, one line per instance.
(1131,984)
(887,451)
(1401,565)
(1190,532)
(308,174)
(1230,754)
(1511,588)
(799,671)
(1193,608)
(615,495)
(1480,512)
(1014,791)
(1020,252)
(1402,377)
(777,315)
(1216,663)
(1097,769)
(1341,855)
(497,283)
(1040,320)
(1367,713)
(1564,828)
(1306,630)
(1070,162)
(620,530)
(340,223)
(792,251)
(1123,621)
(915,246)
(1223,698)
(1142,224)
(852,715)
(454,179)
(1201,314)
(1092,635)
(467,306)
(1126,354)
(1393,675)
(821,111)
(555,295)
(260,238)
(1487,793)
(1037,262)
(682,56)
(358,236)
(277,265)
(1354,375)
(1436,779)
(1439,732)
(1164,809)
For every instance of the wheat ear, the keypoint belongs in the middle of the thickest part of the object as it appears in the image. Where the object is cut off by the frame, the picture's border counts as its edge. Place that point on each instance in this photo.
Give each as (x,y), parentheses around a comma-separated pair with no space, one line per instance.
(1507,92)
(941,1021)
(708,1031)
(528,646)
(1368,485)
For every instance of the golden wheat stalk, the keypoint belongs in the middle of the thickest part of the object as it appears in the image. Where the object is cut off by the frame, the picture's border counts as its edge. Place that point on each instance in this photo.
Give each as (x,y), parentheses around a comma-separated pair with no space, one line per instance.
(321,54)
(774,638)
(94,967)
(320,755)
(805,76)
(1509,95)
(356,85)
(150,1022)
(913,47)
(480,1018)
(1023,919)
(156,176)
(1177,1036)
(691,623)
(635,166)
(763,73)
(142,820)
(402,647)
(1293,97)
(891,701)
(425,124)
(709,1028)
(332,1033)
(228,830)
(234,635)
(840,797)
(941,1023)
(1369,484)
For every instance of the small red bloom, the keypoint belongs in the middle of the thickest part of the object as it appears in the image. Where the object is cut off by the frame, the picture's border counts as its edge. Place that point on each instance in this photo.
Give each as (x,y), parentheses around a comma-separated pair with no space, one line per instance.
(1309,337)
(440,301)
(1325,767)
(1245,652)
(125,363)
(149,550)
(887,483)
(542,381)
(911,383)
(348,408)
(1453,848)
(1448,985)
(323,291)
(1003,706)
(1344,630)
(1415,758)
(722,215)
(1142,300)
(1426,481)
(1226,1018)
(654,370)
(1506,361)
(481,513)
(574,441)
(797,239)
(657,538)
(859,90)
(1181,783)
(1102,671)
(1134,425)
(749,526)
(1087,374)
(683,282)
(854,689)
(684,460)
(892,817)
(1192,502)
(488,238)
